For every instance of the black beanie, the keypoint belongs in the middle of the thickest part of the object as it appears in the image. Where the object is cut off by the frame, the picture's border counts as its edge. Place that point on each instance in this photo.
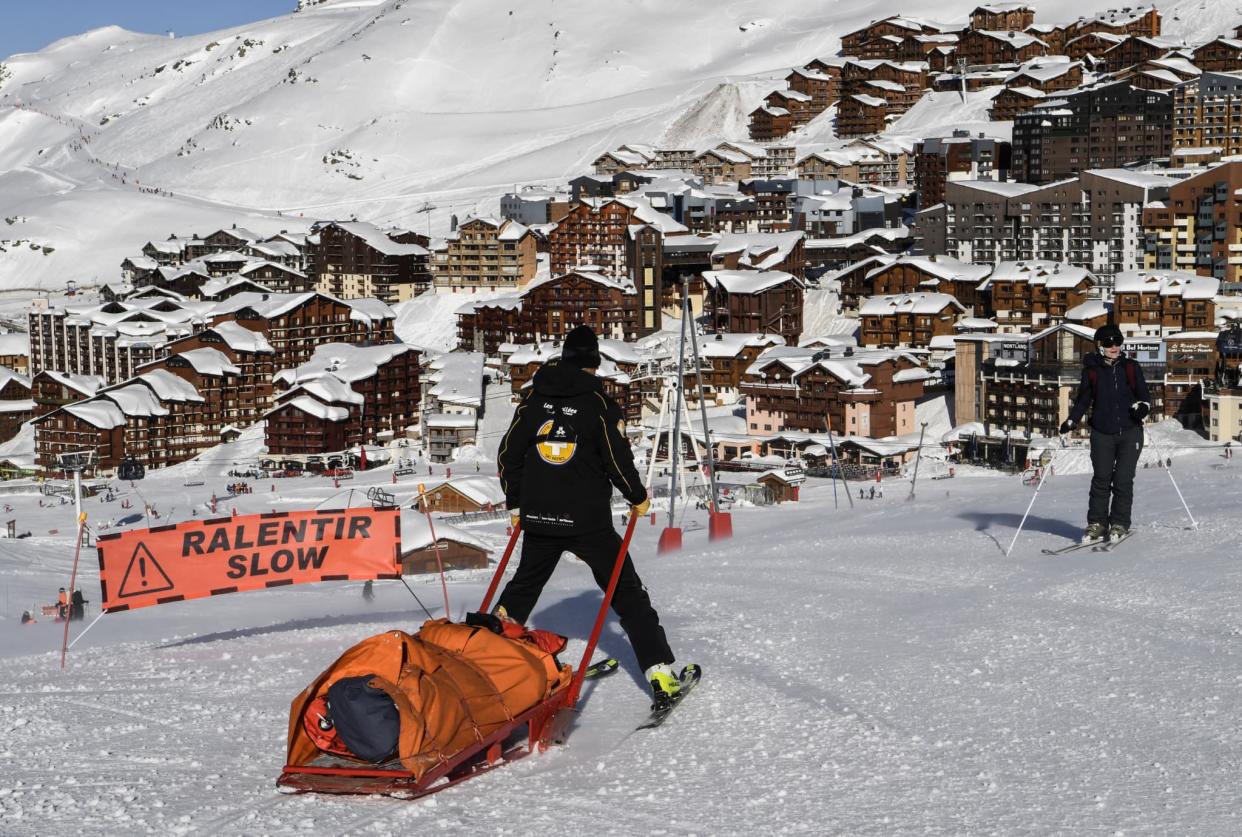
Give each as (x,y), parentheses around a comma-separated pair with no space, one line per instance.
(581,348)
(1106,331)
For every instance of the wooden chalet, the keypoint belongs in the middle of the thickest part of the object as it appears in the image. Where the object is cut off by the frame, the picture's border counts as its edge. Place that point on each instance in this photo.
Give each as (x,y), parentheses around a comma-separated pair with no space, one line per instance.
(358,260)
(908,320)
(983,48)
(755,301)
(860,393)
(997,17)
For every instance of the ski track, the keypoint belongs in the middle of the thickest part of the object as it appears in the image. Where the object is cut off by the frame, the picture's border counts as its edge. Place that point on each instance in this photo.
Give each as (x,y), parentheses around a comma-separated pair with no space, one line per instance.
(880,670)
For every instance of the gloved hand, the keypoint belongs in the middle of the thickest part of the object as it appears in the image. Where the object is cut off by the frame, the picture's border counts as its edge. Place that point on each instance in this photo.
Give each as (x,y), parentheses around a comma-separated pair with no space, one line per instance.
(1139,410)
(515,517)
(642,508)
(1067,426)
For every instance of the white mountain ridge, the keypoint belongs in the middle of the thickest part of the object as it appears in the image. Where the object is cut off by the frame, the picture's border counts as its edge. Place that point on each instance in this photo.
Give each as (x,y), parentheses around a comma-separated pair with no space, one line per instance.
(380,107)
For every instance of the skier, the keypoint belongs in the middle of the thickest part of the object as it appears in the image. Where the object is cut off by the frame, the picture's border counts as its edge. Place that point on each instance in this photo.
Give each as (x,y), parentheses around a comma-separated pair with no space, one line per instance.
(62,605)
(1113,388)
(564,447)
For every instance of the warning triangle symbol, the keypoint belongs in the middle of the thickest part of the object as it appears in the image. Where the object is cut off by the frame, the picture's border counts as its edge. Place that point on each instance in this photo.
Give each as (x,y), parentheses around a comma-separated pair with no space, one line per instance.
(143,575)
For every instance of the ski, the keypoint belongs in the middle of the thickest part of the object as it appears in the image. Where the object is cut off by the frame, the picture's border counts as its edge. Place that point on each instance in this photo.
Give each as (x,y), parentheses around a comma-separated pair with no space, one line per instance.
(1108,546)
(1072,547)
(601,668)
(689,678)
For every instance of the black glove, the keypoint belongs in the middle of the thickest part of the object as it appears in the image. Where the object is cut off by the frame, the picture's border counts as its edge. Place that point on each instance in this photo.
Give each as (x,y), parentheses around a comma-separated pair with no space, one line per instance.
(1139,410)
(1067,426)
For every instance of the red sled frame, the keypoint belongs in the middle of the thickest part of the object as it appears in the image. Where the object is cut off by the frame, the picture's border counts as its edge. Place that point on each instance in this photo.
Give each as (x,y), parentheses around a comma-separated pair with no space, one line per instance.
(544,722)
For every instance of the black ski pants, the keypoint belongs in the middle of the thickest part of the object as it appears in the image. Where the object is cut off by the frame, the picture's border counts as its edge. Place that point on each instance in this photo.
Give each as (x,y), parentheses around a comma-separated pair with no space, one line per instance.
(598,550)
(1114,459)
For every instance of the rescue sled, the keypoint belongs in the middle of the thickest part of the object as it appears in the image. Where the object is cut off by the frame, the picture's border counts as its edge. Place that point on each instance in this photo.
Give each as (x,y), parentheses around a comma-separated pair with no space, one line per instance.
(423,763)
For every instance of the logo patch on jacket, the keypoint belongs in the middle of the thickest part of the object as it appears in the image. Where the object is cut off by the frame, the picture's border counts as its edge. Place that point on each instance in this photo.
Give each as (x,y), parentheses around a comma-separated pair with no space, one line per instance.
(557,442)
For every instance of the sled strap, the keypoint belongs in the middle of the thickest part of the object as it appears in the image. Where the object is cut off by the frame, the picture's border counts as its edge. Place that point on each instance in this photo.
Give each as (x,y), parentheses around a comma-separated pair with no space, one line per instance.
(500,569)
(576,686)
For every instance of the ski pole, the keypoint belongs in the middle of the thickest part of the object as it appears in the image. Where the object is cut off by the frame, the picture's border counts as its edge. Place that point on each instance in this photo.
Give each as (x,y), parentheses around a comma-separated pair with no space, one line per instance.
(87,628)
(1029,506)
(1194,524)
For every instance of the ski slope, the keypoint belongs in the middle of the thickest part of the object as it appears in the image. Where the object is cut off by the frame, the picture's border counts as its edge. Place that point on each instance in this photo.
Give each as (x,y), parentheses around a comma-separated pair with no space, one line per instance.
(880,669)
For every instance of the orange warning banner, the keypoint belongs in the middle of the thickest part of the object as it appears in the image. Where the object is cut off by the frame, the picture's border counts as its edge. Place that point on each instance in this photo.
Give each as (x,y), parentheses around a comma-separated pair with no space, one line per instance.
(209,557)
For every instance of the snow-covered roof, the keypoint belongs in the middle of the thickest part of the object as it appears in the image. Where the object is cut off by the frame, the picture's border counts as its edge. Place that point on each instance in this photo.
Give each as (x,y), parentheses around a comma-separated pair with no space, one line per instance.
(760,251)
(748,281)
(332,367)
(869,101)
(215,287)
(99,412)
(241,339)
(1038,272)
(456,378)
(943,267)
(1017,40)
(210,362)
(376,239)
(731,344)
(908,304)
(449,420)
(15,343)
(619,351)
(7,375)
(416,532)
(137,400)
(315,408)
(1003,188)
(168,387)
(252,267)
(481,490)
(1167,283)
(1141,179)
(88,385)
(1089,310)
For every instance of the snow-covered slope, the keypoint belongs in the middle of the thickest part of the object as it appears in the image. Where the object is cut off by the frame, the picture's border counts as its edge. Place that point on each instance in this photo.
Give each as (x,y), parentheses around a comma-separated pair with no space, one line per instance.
(880,669)
(375,107)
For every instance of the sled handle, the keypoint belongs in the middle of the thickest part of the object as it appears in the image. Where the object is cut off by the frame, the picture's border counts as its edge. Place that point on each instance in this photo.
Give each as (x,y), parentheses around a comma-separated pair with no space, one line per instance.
(500,569)
(572,700)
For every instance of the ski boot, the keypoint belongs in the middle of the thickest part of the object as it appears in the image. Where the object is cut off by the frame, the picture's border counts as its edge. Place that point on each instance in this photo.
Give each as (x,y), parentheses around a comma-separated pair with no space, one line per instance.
(665,687)
(1095,532)
(1117,532)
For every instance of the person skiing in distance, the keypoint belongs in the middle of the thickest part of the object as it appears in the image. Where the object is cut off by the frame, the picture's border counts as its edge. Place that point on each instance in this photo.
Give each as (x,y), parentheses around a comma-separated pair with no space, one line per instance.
(1114,389)
(564,451)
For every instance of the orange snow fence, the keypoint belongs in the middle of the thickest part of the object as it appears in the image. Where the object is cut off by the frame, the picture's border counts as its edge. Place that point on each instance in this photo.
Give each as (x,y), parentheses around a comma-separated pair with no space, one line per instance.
(452,684)
(227,555)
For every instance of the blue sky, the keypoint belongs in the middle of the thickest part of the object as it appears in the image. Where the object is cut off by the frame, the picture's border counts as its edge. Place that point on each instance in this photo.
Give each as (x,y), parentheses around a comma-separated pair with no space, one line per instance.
(29,25)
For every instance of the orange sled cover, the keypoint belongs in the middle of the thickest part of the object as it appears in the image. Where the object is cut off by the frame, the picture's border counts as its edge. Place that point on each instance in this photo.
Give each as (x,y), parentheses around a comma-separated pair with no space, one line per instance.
(452,684)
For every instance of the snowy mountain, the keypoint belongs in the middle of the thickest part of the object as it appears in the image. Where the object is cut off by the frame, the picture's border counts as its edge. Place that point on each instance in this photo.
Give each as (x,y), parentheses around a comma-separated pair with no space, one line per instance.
(377,107)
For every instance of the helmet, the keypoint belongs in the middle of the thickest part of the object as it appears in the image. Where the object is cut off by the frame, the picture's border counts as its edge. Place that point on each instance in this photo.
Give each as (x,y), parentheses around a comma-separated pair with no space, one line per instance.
(1109,333)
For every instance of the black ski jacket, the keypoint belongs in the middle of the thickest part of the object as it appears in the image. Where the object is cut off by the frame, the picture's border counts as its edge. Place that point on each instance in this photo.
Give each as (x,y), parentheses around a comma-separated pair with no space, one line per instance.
(563,452)
(1106,389)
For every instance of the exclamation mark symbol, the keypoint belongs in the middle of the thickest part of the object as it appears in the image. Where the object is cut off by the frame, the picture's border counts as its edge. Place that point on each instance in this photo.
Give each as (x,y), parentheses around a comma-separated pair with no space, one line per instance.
(142,569)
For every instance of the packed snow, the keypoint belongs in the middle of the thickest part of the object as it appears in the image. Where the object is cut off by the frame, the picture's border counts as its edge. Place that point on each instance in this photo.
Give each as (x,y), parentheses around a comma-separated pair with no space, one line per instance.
(881,668)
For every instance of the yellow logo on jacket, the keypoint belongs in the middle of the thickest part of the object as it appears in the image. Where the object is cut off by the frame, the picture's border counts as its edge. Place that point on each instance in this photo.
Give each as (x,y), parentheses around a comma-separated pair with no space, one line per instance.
(556,444)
